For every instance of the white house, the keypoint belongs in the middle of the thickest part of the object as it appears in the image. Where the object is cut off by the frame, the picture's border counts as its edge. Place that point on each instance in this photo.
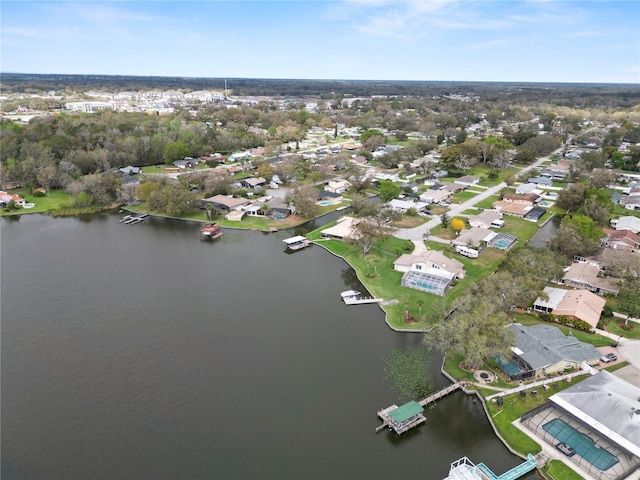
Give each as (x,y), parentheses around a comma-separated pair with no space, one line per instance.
(627,223)
(338,186)
(428,261)
(403,205)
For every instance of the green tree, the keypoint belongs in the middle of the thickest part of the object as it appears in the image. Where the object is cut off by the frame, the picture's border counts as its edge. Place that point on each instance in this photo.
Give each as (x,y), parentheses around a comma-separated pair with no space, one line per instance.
(389,190)
(369,231)
(629,299)
(475,330)
(579,235)
(173,151)
(146,189)
(304,198)
(572,198)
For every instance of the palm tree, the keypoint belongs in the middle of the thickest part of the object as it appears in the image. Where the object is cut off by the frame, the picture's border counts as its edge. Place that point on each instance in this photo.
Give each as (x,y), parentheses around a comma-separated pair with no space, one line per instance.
(420,303)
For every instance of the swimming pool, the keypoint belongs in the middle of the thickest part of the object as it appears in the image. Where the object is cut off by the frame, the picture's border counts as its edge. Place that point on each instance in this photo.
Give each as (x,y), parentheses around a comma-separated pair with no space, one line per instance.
(593,453)
(326,203)
(546,203)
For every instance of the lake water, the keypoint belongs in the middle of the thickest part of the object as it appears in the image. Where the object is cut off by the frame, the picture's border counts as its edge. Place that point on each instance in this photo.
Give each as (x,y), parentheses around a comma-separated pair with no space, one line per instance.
(142,352)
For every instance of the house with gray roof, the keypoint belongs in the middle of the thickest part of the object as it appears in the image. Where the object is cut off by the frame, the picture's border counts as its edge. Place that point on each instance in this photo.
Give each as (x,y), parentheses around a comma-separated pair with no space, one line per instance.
(546,181)
(545,350)
(527,188)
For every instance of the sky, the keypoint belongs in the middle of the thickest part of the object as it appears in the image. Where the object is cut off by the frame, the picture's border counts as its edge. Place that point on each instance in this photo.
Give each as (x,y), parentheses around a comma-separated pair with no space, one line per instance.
(423,40)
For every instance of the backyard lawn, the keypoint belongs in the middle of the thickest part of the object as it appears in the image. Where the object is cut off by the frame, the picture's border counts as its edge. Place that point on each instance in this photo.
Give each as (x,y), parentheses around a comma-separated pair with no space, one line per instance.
(53,200)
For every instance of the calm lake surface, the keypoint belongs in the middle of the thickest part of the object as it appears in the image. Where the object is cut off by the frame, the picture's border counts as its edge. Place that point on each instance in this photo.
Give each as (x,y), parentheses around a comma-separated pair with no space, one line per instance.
(141,352)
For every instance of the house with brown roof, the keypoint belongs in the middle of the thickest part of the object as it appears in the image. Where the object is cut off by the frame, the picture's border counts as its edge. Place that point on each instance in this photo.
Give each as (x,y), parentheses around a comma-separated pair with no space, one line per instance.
(529,199)
(587,276)
(5,198)
(512,209)
(253,182)
(224,203)
(580,304)
(622,240)
(435,196)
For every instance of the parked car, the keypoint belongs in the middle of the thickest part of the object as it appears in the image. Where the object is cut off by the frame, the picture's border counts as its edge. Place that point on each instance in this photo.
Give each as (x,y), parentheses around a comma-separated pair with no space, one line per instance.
(609,357)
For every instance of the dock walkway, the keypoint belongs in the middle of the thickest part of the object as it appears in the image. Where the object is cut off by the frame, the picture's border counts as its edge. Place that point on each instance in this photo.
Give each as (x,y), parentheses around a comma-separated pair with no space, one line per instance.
(385,413)
(361,300)
(133,219)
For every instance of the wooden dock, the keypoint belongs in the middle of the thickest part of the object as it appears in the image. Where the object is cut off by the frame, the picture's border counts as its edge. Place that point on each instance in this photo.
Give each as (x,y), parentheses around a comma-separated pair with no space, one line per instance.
(133,219)
(359,300)
(385,414)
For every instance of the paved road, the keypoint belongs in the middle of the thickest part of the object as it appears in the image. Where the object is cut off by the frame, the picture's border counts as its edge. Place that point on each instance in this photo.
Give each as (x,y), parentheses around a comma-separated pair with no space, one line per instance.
(417,233)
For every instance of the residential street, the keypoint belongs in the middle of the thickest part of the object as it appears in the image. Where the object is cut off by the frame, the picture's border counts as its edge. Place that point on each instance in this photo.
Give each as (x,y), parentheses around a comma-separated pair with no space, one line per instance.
(417,233)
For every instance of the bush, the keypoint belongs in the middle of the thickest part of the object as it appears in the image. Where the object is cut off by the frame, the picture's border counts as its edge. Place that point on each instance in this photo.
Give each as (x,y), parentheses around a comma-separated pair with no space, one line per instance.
(39,193)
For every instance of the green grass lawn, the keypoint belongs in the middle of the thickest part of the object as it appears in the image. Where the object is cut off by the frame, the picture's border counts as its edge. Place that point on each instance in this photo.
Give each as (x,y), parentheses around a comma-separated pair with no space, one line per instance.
(487,203)
(54,200)
(616,326)
(558,470)
(463,196)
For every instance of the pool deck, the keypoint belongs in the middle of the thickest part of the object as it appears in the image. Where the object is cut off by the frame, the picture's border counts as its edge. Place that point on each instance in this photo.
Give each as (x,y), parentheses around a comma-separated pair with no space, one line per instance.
(549,452)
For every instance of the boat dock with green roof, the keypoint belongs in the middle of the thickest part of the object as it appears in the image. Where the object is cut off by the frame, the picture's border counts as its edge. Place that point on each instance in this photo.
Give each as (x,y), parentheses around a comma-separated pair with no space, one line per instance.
(402,418)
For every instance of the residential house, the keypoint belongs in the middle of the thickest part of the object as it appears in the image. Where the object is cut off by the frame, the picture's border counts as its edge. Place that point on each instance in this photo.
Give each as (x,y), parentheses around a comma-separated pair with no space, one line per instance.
(187,162)
(326,196)
(344,229)
(545,181)
(473,237)
(487,219)
(337,186)
(467,181)
(544,350)
(622,240)
(529,199)
(554,174)
(512,209)
(435,196)
(224,204)
(240,156)
(527,188)
(580,304)
(5,198)
(627,223)
(252,182)
(278,208)
(431,259)
(453,187)
(586,275)
(131,170)
(404,205)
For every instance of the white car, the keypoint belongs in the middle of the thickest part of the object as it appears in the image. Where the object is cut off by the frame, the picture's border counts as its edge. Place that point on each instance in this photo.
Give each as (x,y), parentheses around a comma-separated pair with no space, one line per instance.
(609,357)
